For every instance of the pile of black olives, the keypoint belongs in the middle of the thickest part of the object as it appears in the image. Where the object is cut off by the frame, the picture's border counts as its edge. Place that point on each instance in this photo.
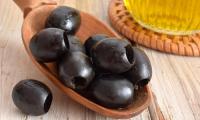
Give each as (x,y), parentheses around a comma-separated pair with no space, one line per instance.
(104,69)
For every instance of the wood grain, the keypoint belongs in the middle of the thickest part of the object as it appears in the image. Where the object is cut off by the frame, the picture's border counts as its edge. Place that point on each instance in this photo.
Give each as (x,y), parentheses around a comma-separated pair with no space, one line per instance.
(175,81)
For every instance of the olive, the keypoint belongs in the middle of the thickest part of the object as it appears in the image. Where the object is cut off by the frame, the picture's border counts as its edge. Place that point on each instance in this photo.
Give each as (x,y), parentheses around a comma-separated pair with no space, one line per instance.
(32,97)
(48,45)
(113,55)
(92,40)
(65,18)
(73,43)
(112,91)
(75,70)
(141,72)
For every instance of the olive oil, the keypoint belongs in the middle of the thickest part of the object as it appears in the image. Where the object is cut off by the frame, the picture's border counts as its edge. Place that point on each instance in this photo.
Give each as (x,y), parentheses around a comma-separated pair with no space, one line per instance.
(168,16)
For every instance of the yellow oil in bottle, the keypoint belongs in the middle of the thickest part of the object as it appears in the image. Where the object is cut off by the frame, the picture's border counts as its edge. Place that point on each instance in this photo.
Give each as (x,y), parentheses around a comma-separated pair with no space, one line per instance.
(168,16)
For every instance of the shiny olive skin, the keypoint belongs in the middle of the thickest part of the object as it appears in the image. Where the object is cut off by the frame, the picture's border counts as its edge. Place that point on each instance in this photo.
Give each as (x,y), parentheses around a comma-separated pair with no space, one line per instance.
(48,45)
(113,55)
(73,43)
(141,72)
(112,91)
(75,70)
(32,97)
(65,18)
(92,40)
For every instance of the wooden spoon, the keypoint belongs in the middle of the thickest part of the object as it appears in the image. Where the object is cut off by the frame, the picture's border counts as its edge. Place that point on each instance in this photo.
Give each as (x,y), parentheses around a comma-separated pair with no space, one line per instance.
(35,14)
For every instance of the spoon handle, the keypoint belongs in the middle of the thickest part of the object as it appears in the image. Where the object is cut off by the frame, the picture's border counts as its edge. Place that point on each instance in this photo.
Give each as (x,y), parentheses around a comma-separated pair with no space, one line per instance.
(27,5)
(155,111)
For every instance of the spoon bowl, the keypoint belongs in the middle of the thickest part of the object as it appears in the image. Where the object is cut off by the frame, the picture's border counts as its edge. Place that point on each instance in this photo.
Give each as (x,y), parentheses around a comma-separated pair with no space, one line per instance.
(36,12)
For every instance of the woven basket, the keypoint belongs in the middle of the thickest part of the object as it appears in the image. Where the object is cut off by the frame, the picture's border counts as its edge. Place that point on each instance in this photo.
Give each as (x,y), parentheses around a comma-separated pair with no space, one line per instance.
(122,21)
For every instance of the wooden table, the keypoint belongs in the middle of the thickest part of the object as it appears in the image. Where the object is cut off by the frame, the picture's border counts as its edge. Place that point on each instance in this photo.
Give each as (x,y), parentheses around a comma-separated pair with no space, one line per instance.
(175,82)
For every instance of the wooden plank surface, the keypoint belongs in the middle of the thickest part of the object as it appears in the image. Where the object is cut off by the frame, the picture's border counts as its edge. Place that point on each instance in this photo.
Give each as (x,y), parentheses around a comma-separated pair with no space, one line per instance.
(175,82)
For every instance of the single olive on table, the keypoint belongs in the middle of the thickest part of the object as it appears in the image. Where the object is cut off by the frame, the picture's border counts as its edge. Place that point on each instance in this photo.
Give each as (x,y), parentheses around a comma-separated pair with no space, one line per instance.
(65,18)
(32,97)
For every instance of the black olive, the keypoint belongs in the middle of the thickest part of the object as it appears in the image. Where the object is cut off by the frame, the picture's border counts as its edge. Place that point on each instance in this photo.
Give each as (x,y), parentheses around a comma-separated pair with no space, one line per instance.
(75,70)
(65,18)
(112,91)
(48,45)
(32,97)
(92,40)
(114,55)
(73,43)
(141,72)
